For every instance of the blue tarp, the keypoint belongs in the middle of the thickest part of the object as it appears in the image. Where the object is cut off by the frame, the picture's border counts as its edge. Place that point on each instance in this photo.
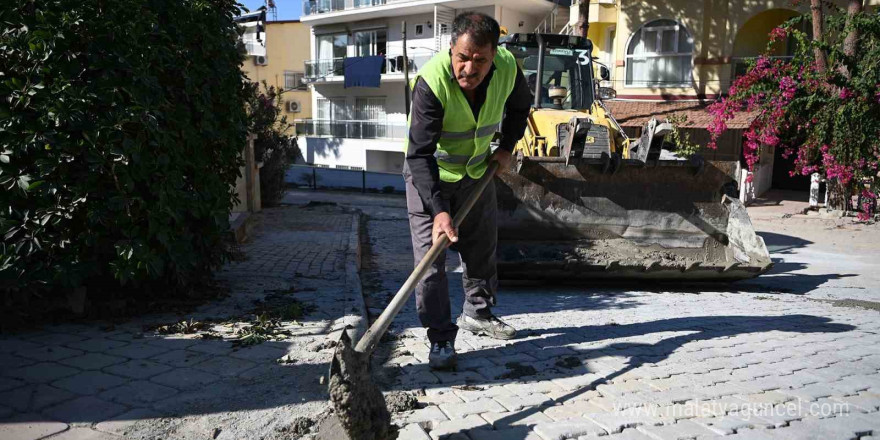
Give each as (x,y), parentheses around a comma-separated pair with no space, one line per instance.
(363,71)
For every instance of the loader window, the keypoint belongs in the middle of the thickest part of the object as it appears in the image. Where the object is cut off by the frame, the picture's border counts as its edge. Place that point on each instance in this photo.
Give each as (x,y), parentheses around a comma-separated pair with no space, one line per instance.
(563,67)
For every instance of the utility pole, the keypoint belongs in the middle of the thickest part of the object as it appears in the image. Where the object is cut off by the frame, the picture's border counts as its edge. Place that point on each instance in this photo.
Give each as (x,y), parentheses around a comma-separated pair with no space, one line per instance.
(406,92)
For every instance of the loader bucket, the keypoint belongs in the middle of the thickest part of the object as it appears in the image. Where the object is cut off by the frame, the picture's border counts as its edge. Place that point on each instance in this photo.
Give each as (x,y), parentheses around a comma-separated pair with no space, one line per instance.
(667,219)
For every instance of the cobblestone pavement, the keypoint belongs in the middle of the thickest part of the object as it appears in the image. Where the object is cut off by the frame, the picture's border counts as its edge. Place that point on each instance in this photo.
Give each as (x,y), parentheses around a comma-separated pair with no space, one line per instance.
(101,381)
(767,359)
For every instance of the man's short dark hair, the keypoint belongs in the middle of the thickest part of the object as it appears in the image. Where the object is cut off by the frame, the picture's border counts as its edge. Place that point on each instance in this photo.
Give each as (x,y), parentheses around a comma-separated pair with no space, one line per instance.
(482,28)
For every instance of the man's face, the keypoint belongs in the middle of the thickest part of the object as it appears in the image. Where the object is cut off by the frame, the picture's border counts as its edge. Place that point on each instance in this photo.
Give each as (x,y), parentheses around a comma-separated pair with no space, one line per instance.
(470,62)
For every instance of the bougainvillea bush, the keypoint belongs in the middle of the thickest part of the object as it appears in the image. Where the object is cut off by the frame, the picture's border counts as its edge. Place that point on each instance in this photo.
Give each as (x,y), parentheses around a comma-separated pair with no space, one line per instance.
(121,125)
(828,119)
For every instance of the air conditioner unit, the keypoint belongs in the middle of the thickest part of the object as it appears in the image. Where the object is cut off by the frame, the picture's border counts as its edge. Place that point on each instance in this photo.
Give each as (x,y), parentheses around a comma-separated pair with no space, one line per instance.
(260,60)
(293,106)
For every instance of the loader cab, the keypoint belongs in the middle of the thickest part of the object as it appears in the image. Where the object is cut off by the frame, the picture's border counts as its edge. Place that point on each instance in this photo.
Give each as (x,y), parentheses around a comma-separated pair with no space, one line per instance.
(559,69)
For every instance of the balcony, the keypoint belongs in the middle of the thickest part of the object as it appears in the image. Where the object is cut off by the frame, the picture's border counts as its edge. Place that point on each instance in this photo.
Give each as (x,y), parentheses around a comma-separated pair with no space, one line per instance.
(351,129)
(311,7)
(321,69)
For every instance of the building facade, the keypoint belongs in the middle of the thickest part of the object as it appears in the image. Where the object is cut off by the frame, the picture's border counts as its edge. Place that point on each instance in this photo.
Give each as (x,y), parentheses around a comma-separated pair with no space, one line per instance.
(277,56)
(361,127)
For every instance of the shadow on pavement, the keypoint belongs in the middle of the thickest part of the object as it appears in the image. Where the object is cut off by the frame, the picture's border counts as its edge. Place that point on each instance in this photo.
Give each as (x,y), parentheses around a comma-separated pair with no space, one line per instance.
(633,355)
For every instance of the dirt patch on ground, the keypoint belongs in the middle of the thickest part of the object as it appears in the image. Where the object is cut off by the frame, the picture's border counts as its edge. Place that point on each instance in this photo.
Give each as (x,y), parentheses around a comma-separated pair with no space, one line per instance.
(399,401)
(852,303)
(568,362)
(517,370)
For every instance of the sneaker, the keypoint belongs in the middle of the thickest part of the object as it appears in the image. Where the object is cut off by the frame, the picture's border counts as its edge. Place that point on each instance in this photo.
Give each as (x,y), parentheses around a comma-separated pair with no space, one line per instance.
(442,355)
(491,326)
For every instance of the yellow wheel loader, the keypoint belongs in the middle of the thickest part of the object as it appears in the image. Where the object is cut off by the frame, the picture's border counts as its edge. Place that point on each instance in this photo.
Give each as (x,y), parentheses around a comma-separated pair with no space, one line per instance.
(583,200)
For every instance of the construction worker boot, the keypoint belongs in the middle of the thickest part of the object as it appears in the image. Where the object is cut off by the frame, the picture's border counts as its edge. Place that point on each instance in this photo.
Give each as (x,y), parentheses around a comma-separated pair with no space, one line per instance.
(491,326)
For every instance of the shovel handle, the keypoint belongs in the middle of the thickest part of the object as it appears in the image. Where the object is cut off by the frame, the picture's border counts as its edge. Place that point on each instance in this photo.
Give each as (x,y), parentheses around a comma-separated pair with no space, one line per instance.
(374,333)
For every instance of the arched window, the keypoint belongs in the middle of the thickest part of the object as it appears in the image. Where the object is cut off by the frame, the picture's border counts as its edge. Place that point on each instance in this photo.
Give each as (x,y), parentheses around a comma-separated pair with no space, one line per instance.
(660,54)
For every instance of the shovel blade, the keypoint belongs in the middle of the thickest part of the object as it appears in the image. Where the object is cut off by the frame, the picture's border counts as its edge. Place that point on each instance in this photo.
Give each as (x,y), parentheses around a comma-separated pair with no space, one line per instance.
(358,402)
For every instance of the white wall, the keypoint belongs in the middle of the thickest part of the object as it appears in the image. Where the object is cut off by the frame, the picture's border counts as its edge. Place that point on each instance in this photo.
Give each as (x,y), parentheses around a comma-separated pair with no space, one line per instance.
(348,152)
(510,18)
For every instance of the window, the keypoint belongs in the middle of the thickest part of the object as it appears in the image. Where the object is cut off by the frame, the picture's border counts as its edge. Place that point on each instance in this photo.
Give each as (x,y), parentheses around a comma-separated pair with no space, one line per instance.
(369,43)
(420,30)
(332,46)
(660,54)
(294,81)
(331,116)
(372,111)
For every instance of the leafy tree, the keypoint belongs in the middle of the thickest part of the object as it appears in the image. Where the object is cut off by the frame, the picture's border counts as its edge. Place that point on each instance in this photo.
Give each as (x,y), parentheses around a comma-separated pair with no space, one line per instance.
(121,126)
(822,106)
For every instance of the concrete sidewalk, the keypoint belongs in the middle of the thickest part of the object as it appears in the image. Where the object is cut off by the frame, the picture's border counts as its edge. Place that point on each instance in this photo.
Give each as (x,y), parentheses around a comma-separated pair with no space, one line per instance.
(103,381)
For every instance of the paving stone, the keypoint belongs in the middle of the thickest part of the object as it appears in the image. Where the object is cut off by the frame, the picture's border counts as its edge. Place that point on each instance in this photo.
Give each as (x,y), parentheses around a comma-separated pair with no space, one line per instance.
(460,377)
(185,379)
(669,397)
(138,369)
(56,339)
(29,426)
(49,353)
(481,393)
(87,409)
(10,362)
(516,403)
(462,410)
(578,382)
(726,425)
(96,345)
(613,422)
(431,413)
(769,397)
(445,430)
(619,388)
(573,410)
(212,347)
(437,399)
(523,418)
(413,432)
(225,366)
(138,393)
(181,358)
(568,429)
(84,434)
(34,397)
(7,383)
(866,401)
(42,372)
(682,429)
(89,382)
(627,434)
(521,433)
(172,343)
(258,353)
(811,393)
(854,425)
(138,351)
(92,361)
(12,345)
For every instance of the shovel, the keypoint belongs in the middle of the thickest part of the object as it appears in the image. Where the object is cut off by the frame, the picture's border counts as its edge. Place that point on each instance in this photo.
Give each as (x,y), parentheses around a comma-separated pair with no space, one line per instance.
(360,406)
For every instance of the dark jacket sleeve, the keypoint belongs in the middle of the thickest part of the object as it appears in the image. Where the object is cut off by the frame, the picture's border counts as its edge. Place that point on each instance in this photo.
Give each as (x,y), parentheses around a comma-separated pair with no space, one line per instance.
(516,113)
(426,124)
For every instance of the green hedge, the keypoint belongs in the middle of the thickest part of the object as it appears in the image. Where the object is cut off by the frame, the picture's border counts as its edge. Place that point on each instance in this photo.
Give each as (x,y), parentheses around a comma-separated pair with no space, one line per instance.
(120,129)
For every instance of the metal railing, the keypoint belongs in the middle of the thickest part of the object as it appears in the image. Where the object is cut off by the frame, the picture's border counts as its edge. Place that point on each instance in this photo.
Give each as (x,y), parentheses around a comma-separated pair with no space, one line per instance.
(351,129)
(316,69)
(311,7)
(548,24)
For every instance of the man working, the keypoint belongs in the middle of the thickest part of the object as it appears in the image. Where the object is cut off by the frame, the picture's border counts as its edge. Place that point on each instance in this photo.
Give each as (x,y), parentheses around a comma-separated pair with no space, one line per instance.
(458,101)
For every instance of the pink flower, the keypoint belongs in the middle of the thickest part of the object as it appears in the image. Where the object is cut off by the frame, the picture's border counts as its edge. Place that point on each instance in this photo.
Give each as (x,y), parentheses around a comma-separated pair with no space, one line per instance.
(778,34)
(846,93)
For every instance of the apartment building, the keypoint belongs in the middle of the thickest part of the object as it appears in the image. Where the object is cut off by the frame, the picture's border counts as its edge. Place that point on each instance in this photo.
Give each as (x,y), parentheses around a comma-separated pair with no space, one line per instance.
(364,127)
(276,53)
(678,56)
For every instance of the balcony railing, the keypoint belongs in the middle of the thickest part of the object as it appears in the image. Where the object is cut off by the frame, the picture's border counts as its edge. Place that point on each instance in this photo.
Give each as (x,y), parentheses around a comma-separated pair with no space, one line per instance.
(351,129)
(322,68)
(311,7)
(317,69)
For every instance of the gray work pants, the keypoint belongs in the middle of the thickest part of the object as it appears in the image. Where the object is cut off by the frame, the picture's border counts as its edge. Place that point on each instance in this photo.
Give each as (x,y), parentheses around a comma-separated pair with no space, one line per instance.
(477,239)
